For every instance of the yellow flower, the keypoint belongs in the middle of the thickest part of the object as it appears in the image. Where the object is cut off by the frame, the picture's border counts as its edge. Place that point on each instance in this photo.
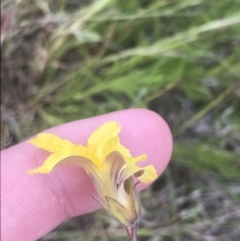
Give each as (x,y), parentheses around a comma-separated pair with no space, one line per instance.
(110,166)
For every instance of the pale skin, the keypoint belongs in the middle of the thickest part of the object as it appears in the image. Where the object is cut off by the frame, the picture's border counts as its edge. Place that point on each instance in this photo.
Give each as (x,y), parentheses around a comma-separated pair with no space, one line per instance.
(32,205)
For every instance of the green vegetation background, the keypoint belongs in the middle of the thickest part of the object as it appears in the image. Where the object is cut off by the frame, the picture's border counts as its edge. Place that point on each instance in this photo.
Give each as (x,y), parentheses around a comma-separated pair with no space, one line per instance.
(67,59)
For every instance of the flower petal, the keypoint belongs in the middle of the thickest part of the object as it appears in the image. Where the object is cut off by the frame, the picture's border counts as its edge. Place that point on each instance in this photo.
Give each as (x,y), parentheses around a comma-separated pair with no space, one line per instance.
(114,145)
(129,170)
(50,142)
(133,200)
(127,155)
(149,175)
(97,141)
(68,151)
(144,174)
(113,164)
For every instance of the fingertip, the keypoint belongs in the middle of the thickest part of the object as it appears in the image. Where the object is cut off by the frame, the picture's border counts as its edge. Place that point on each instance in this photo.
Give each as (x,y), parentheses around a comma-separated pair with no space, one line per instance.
(67,191)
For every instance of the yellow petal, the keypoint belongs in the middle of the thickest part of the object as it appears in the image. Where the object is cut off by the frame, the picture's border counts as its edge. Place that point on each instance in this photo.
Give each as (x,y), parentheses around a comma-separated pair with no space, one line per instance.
(54,159)
(113,144)
(97,141)
(149,175)
(50,142)
(127,155)
(50,163)
(113,164)
(144,174)
(104,133)
(130,169)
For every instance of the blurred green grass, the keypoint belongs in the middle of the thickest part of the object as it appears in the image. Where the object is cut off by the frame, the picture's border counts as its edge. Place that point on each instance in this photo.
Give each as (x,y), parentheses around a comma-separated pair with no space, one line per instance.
(67,60)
